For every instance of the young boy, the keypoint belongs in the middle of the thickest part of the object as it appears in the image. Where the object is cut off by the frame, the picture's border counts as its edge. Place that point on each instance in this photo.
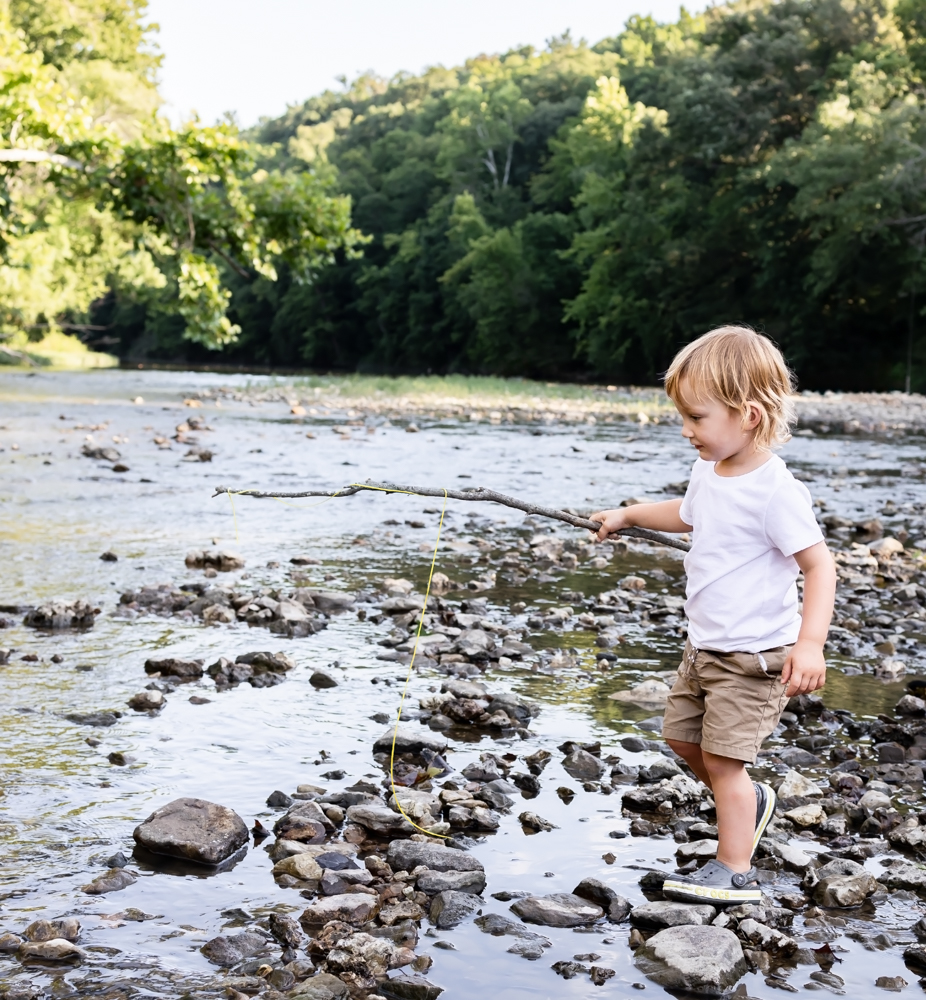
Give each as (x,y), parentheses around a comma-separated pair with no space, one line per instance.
(749,646)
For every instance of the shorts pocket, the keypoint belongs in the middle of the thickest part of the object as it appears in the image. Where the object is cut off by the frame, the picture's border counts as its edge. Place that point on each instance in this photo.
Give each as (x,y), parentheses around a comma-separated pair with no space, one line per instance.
(772,661)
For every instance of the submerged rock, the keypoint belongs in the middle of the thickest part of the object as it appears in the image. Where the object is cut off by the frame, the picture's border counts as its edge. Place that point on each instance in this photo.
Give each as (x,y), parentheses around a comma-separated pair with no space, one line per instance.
(322,986)
(114,880)
(230,949)
(193,829)
(706,960)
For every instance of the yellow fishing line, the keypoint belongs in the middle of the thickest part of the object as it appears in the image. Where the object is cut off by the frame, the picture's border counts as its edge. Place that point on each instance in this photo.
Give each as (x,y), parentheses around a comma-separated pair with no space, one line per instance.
(424,608)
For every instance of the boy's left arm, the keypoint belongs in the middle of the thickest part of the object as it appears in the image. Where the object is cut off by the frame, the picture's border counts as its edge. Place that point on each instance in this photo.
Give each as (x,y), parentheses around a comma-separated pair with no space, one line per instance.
(805,668)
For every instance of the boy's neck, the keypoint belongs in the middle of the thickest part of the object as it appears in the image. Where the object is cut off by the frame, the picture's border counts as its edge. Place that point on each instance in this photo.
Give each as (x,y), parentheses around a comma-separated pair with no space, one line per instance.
(742,462)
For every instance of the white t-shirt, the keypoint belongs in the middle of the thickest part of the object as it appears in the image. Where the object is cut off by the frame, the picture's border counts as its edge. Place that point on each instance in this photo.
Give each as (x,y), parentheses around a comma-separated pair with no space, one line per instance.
(742,594)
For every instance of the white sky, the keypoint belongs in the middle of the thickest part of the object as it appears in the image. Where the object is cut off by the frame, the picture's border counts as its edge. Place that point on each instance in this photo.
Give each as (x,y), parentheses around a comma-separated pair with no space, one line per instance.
(254,58)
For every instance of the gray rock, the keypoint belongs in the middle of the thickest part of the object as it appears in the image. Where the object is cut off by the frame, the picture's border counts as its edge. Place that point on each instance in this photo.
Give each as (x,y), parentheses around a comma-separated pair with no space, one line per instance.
(170,666)
(379,818)
(413,987)
(338,883)
(322,986)
(62,614)
(305,820)
(286,930)
(466,689)
(101,719)
(56,950)
(537,823)
(696,850)
(474,643)
(351,908)
(147,701)
(9,943)
(559,909)
(112,881)
(262,662)
(410,741)
(528,944)
(224,562)
(47,930)
(193,829)
(367,957)
(668,914)
(845,890)
(450,908)
(706,960)
(226,950)
(332,600)
(766,939)
(432,883)
(406,855)
(320,679)
(615,906)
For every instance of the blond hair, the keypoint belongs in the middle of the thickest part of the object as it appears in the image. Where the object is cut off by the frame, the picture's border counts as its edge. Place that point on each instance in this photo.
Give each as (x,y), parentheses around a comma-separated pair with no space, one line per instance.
(737,366)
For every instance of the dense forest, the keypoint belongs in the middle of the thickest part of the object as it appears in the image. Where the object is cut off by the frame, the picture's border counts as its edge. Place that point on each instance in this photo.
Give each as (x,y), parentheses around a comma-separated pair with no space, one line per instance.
(576,212)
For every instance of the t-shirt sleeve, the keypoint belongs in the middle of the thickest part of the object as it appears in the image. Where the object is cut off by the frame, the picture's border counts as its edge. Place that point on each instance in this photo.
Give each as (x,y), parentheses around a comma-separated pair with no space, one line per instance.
(789,522)
(685,512)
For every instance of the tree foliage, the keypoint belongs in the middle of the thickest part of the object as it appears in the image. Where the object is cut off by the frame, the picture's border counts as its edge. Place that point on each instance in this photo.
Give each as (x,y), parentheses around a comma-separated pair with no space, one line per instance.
(576,211)
(99,195)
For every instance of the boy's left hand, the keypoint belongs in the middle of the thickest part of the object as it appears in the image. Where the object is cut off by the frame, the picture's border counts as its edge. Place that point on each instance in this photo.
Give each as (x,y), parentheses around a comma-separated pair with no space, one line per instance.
(805,669)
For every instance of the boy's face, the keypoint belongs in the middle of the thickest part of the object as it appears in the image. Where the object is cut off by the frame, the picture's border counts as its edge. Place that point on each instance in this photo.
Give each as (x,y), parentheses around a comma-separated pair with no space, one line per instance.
(717,431)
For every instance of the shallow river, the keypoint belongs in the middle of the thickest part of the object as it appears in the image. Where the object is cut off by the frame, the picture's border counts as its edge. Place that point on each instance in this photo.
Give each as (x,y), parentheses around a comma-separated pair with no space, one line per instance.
(65,808)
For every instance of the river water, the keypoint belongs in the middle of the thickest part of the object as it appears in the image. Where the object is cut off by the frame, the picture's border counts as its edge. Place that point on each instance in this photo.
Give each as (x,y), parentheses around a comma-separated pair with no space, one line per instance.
(65,808)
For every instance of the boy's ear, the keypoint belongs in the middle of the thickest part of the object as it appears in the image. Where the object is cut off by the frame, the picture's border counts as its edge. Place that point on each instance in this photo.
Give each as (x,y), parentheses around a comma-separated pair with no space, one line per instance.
(752,417)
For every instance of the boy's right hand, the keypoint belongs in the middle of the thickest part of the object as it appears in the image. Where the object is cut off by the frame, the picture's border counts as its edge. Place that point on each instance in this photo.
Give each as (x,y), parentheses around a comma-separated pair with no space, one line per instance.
(611,521)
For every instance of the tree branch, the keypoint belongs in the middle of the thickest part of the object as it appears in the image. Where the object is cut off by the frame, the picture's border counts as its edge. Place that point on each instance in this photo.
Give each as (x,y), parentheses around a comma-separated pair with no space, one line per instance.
(233,264)
(473,493)
(37,156)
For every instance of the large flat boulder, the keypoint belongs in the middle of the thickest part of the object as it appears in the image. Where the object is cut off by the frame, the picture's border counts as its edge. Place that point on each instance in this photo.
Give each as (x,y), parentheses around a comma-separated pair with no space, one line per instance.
(559,909)
(699,959)
(406,855)
(193,829)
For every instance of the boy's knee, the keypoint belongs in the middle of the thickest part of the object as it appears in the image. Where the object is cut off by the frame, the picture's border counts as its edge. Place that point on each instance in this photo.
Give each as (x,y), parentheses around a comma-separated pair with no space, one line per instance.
(716,764)
(684,749)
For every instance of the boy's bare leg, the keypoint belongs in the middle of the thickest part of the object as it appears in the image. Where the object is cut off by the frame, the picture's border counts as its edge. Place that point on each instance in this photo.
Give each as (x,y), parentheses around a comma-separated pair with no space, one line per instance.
(691,754)
(735,797)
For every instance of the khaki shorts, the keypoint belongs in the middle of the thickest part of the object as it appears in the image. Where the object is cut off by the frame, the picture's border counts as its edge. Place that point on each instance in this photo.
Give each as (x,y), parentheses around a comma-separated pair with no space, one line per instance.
(727,702)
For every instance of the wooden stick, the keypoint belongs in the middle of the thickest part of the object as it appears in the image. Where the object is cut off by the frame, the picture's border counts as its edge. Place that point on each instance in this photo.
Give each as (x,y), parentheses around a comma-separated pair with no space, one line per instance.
(473,493)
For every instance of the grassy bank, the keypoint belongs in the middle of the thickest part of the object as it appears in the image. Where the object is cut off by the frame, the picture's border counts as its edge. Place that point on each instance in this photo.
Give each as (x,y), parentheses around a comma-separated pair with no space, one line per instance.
(56,350)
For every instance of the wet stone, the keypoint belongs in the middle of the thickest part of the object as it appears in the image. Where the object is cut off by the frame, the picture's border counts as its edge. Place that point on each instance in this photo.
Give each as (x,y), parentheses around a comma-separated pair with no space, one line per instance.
(227,950)
(351,908)
(705,960)
(432,883)
(412,987)
(669,914)
(55,950)
(321,679)
(46,930)
(114,880)
(559,909)
(172,667)
(406,855)
(615,906)
(450,908)
(193,829)
(410,741)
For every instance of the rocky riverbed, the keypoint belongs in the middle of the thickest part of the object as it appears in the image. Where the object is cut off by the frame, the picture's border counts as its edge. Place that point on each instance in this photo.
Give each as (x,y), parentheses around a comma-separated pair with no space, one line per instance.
(197,728)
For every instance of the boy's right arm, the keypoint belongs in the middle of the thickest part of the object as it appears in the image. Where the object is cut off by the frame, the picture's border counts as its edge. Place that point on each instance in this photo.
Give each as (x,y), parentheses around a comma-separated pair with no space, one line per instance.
(663,516)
